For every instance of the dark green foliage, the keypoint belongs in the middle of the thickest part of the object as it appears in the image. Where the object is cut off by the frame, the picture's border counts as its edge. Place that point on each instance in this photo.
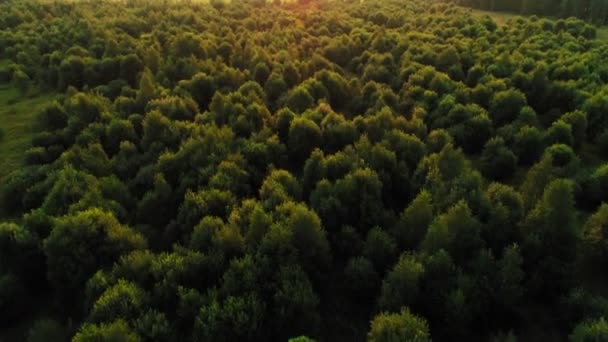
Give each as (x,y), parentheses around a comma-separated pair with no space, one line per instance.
(596,330)
(552,222)
(401,285)
(261,73)
(304,135)
(22,81)
(403,326)
(497,161)
(528,145)
(244,171)
(596,185)
(123,300)
(233,318)
(595,232)
(559,133)
(578,127)
(47,329)
(380,248)
(80,244)
(507,211)
(118,331)
(12,295)
(299,100)
(602,143)
(301,339)
(414,221)
(361,278)
(506,105)
(457,231)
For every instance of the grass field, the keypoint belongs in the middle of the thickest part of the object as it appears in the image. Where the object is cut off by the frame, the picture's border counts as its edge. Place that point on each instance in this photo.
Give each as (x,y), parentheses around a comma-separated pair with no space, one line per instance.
(17,122)
(502,19)
(602,33)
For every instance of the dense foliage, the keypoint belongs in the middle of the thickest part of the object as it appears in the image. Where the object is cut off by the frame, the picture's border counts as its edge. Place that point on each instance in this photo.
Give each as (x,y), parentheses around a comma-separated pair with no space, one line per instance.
(247,171)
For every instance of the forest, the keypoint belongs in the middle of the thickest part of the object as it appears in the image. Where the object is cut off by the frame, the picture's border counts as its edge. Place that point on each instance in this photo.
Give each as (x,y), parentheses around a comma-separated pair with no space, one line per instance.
(317,170)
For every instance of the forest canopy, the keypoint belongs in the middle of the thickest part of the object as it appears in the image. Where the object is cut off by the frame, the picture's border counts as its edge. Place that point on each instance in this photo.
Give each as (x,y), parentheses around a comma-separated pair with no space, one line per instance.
(392,170)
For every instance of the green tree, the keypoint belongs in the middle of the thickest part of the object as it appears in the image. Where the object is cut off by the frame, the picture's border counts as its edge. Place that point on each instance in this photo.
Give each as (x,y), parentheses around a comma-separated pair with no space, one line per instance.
(147,88)
(401,285)
(53,117)
(537,177)
(20,254)
(296,303)
(507,210)
(261,73)
(559,133)
(279,187)
(153,326)
(595,233)
(301,339)
(124,300)
(304,137)
(403,327)
(594,107)
(361,279)
(380,248)
(12,294)
(438,139)
(511,276)
(197,205)
(201,87)
(299,99)
(602,143)
(47,329)
(130,67)
(226,320)
(116,132)
(597,185)
(456,231)
(309,237)
(578,123)
(506,105)
(528,145)
(552,237)
(590,331)
(497,161)
(117,331)
(414,221)
(275,87)
(22,81)
(81,243)
(408,148)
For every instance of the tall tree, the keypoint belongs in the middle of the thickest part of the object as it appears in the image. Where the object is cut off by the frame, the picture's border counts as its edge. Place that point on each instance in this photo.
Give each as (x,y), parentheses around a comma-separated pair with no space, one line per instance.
(403,326)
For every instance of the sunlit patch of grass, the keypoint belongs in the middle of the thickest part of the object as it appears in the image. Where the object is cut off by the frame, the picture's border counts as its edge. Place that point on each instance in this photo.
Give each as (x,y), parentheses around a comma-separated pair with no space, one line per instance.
(17,117)
(602,33)
(502,19)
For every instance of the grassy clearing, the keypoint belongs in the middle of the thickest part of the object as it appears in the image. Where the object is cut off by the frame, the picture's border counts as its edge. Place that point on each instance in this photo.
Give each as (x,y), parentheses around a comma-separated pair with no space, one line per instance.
(502,19)
(602,33)
(16,120)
